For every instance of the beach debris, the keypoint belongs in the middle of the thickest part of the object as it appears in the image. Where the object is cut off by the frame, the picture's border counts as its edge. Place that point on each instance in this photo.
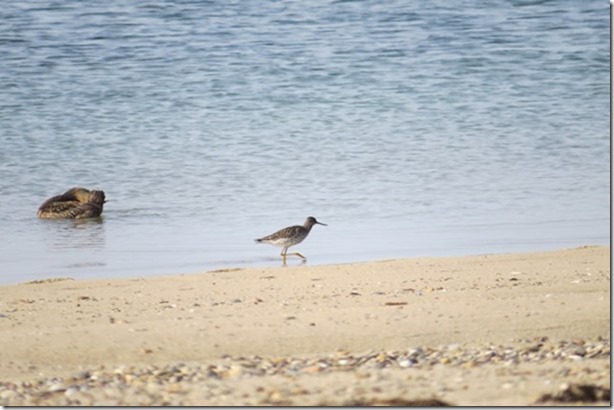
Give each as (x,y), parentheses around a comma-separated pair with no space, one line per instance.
(50,280)
(398,402)
(573,393)
(225,270)
(211,382)
(395,303)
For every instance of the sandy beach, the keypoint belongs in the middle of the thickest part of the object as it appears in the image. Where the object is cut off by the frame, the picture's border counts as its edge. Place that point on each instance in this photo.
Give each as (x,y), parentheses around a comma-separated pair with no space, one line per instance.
(509,329)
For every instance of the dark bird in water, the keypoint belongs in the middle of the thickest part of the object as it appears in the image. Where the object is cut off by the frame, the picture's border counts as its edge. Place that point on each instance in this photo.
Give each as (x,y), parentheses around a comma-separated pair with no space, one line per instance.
(76,203)
(290,236)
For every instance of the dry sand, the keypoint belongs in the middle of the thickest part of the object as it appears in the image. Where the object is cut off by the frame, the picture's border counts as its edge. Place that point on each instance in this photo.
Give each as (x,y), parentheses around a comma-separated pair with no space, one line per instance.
(483,330)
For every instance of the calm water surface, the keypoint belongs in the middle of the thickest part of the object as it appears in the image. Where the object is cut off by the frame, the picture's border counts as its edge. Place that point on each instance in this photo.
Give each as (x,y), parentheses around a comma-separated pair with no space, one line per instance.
(410,128)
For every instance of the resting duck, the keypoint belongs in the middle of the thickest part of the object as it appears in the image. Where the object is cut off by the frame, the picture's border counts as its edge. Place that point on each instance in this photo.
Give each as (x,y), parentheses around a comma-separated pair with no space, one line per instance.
(76,203)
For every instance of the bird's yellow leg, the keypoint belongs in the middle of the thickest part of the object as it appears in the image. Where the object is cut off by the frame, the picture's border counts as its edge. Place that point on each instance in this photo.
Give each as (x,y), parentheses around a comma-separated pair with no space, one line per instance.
(298,254)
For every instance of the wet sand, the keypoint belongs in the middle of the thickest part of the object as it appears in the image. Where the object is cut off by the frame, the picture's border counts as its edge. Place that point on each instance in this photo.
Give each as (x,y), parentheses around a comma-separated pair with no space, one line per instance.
(510,329)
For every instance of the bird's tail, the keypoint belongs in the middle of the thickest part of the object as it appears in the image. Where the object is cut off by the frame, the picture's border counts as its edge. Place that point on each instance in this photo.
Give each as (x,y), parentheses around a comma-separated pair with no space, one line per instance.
(258,240)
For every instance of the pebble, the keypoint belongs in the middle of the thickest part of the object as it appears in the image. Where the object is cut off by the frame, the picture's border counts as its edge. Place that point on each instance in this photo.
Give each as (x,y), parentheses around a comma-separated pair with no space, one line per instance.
(170,384)
(405,363)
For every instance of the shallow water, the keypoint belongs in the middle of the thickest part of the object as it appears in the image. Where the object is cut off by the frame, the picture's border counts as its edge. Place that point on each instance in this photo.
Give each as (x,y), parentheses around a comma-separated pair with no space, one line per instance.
(410,128)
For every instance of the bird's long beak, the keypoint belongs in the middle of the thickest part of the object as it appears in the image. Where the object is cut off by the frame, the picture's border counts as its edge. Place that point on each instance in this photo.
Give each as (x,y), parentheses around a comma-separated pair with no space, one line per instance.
(320,223)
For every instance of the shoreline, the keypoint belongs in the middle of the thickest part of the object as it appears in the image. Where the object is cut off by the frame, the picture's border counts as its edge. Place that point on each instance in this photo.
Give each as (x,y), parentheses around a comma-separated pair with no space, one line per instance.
(559,299)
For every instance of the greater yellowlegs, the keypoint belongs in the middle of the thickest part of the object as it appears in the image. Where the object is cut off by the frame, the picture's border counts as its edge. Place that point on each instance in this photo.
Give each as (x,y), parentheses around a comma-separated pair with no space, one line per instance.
(290,236)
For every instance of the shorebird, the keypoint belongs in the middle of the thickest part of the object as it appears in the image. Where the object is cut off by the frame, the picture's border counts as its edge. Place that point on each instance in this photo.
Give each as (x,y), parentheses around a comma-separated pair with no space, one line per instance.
(290,236)
(76,203)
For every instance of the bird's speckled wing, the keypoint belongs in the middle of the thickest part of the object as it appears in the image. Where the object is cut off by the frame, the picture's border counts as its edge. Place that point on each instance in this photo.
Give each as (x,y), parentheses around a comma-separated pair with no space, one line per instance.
(290,231)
